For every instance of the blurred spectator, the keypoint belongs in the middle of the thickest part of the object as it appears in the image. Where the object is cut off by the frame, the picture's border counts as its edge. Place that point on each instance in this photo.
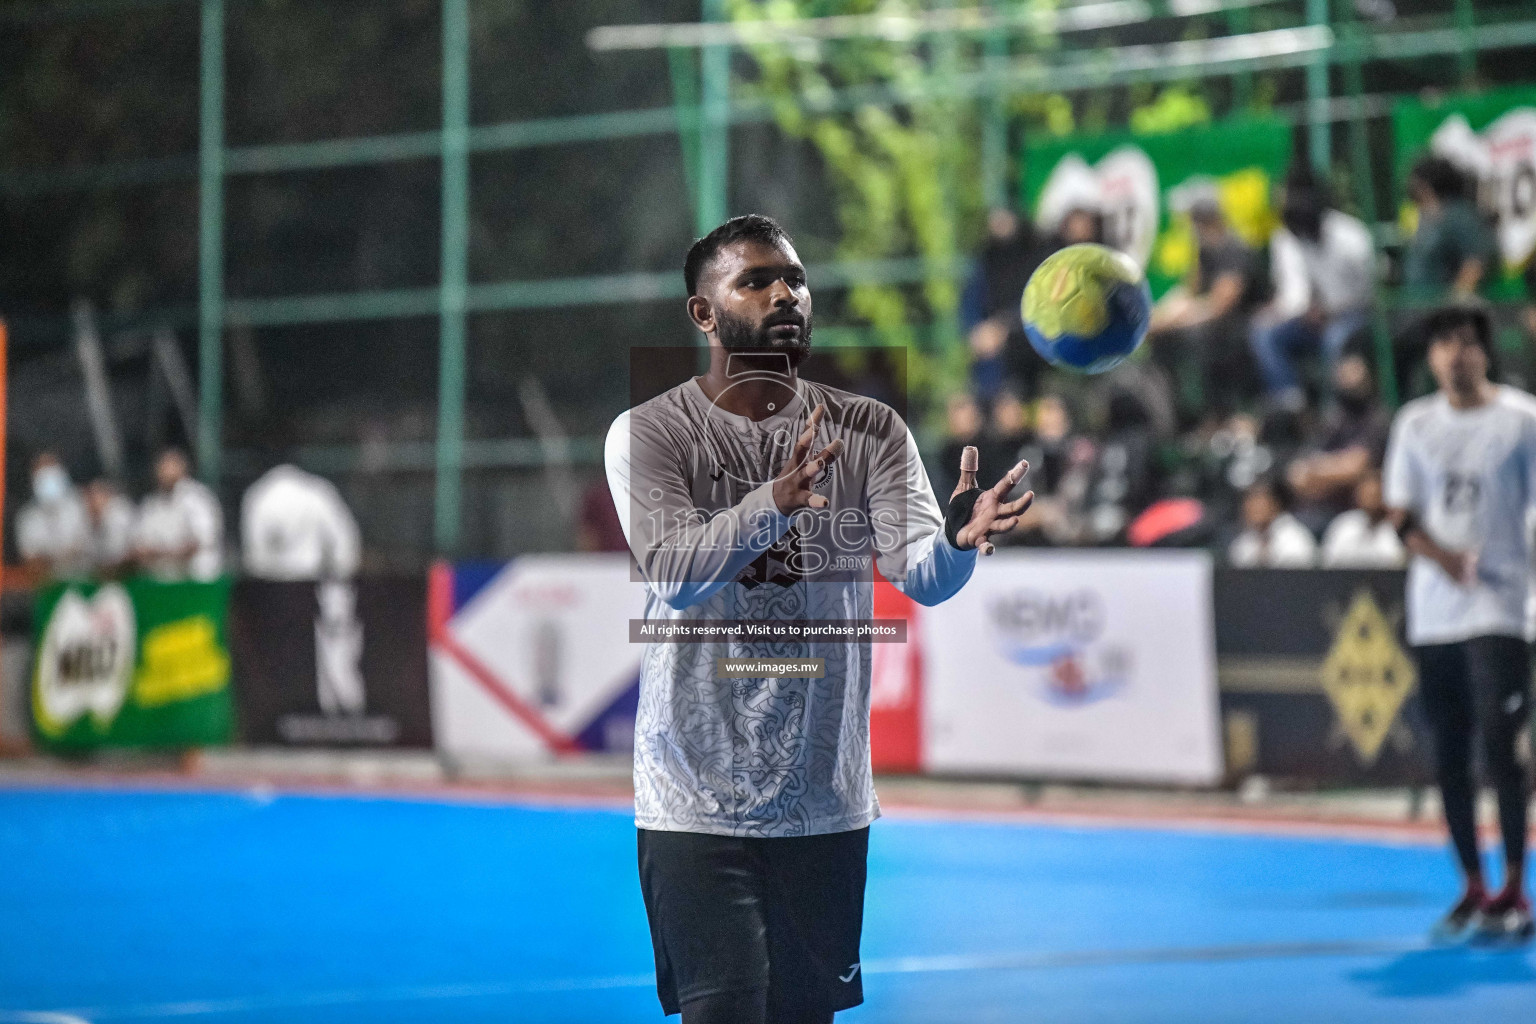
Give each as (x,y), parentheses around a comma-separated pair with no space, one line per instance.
(1199,330)
(1153,388)
(1323,264)
(598,528)
(180,530)
(1050,451)
(1061,466)
(1080,225)
(52,535)
(1005,439)
(1528,315)
(962,426)
(1448,255)
(1272,538)
(1347,446)
(1451,248)
(1283,434)
(1363,537)
(1523,364)
(296,526)
(990,305)
(109,520)
(1228,461)
(1124,476)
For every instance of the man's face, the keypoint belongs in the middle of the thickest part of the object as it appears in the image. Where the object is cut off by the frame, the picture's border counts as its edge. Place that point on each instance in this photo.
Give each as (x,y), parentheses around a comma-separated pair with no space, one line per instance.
(1352,375)
(1051,420)
(1260,508)
(1210,229)
(170,470)
(1009,415)
(1078,226)
(1002,223)
(758,300)
(1457,361)
(1352,384)
(97,497)
(49,480)
(1419,192)
(964,418)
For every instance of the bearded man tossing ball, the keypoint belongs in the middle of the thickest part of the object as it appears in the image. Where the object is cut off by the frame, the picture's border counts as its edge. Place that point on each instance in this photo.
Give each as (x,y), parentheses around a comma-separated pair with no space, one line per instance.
(744,494)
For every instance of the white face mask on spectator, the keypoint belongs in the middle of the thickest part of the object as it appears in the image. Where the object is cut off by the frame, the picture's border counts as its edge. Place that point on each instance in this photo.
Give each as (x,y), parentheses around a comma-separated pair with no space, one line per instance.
(50,484)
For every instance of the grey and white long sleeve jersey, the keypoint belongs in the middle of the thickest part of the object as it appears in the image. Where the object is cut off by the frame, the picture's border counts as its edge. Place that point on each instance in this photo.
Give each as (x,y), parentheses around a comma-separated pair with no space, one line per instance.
(693,486)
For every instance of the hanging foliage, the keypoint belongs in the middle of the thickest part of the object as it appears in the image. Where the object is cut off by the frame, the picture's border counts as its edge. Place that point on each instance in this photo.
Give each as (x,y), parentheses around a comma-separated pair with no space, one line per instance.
(904,166)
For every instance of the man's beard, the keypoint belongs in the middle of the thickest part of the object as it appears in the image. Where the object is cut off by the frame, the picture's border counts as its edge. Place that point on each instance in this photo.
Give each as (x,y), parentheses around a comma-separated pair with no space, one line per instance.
(737,334)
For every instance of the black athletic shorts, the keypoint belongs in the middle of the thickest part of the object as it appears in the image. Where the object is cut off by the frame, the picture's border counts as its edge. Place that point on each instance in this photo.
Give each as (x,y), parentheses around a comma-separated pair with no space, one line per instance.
(733,914)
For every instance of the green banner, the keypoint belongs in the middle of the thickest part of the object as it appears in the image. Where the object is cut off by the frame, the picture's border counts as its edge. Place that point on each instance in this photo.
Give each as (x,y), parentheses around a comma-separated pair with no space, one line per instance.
(136,663)
(1136,181)
(1491,135)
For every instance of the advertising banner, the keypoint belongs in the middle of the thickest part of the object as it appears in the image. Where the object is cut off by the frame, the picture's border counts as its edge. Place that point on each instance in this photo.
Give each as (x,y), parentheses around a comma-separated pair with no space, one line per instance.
(1317,681)
(1491,136)
(136,663)
(1138,182)
(1091,665)
(533,658)
(896,687)
(336,663)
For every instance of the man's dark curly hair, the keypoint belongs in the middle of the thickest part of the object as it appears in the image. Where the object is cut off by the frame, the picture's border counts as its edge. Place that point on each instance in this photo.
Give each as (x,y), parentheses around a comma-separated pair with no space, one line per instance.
(753,227)
(1438,323)
(1443,178)
(1278,489)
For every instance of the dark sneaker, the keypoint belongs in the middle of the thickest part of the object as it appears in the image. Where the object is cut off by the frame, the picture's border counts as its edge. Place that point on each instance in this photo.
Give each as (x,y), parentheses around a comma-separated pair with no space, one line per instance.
(1505,918)
(1459,920)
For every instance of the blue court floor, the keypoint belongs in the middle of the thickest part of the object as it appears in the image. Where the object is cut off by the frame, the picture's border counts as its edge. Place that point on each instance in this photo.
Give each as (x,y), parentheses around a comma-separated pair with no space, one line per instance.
(232,908)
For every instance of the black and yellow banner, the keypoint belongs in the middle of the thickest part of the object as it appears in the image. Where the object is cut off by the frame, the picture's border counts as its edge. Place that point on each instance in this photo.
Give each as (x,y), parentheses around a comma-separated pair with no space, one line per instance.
(1316,678)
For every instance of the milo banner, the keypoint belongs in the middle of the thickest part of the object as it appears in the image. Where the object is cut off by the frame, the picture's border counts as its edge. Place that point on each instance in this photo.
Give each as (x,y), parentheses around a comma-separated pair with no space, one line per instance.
(1491,136)
(134,663)
(1317,681)
(1140,183)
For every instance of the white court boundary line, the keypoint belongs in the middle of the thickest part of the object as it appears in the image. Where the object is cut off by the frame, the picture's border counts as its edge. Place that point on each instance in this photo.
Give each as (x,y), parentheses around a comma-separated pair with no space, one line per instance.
(943,964)
(355,997)
(1389,834)
(39,1017)
(1386,833)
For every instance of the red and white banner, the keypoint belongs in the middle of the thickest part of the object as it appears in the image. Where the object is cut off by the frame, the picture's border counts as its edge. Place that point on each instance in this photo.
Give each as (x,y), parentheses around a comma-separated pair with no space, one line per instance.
(533,658)
(896,687)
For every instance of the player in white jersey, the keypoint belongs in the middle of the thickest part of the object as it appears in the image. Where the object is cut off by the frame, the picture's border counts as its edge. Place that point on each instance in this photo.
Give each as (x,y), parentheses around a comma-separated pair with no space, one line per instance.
(751,495)
(1460,479)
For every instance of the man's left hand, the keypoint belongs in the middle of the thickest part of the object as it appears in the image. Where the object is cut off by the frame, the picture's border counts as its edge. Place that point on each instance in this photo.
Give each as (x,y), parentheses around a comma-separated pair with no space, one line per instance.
(992,513)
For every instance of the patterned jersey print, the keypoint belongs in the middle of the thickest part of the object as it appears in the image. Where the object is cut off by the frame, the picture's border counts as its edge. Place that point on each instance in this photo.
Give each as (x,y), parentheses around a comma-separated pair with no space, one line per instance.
(693,486)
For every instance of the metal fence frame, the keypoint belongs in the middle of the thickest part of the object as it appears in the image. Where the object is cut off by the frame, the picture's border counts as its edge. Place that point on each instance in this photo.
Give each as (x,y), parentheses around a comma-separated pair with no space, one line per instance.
(703,116)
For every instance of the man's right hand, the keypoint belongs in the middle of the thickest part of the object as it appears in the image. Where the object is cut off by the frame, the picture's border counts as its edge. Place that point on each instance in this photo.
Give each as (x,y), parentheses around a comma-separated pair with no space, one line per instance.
(792,488)
(1460,566)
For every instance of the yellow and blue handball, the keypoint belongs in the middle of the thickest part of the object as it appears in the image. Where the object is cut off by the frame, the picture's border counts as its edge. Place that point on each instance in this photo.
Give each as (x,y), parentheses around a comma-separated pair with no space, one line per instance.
(1086,308)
